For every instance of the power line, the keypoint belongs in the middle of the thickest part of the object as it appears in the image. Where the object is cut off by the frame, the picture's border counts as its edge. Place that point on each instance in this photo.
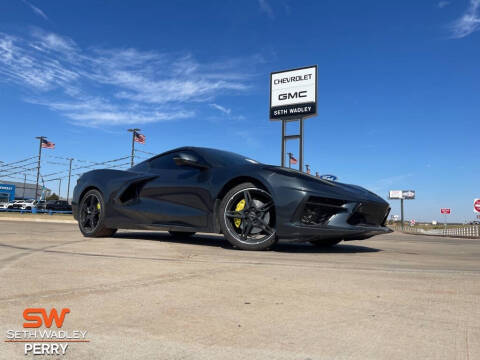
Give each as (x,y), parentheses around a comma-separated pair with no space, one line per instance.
(19,161)
(145,152)
(17,167)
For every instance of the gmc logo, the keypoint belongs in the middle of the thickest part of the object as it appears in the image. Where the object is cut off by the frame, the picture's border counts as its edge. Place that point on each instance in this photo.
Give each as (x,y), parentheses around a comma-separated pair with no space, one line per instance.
(295,95)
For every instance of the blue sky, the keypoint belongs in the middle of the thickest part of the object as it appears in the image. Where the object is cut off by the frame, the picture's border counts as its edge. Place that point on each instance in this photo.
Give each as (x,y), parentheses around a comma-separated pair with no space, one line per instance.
(398,86)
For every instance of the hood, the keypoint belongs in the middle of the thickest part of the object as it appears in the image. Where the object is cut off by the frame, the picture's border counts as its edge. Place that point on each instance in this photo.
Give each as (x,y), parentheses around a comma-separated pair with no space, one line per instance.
(337,189)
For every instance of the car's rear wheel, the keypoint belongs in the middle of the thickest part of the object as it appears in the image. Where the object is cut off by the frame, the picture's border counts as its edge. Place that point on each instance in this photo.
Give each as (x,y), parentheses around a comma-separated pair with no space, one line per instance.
(247,218)
(181,234)
(325,242)
(91,219)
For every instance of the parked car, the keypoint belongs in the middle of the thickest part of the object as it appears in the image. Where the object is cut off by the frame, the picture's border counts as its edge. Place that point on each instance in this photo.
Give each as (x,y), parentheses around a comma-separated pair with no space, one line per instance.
(3,205)
(193,189)
(16,204)
(29,204)
(41,205)
(58,205)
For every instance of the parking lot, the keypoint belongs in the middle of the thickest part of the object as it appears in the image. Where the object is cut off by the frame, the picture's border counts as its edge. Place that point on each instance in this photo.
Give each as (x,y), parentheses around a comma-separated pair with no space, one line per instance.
(143,295)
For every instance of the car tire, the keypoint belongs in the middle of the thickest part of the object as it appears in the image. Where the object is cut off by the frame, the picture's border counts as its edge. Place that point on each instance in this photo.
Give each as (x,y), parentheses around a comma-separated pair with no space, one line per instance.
(325,243)
(258,216)
(181,234)
(91,216)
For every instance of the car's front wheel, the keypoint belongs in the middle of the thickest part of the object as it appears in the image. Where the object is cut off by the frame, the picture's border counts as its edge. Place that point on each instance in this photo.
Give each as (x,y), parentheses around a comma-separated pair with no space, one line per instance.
(247,218)
(91,220)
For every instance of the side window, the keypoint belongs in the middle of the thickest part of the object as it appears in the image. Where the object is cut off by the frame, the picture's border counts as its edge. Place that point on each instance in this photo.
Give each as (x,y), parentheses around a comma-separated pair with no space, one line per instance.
(164,162)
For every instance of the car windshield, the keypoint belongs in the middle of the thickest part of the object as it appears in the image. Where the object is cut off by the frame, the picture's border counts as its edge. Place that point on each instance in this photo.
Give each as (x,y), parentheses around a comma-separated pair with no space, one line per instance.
(225,158)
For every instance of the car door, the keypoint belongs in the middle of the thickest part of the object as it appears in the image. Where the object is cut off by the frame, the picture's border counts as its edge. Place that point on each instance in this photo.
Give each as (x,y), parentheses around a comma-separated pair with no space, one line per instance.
(178,195)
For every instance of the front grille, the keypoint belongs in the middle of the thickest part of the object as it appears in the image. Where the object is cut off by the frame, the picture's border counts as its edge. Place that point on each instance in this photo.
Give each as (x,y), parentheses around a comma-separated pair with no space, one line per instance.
(370,214)
(318,211)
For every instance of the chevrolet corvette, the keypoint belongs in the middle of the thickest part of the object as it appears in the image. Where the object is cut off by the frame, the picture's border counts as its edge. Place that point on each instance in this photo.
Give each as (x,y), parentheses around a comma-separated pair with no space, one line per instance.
(193,189)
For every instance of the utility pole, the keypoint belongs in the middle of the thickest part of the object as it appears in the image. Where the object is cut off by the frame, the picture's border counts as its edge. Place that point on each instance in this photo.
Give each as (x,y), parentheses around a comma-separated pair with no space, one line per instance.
(69,176)
(24,184)
(59,187)
(134,132)
(41,138)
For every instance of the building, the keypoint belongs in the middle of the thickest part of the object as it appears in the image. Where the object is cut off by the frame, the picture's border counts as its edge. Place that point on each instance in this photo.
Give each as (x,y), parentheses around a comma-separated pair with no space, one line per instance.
(13,190)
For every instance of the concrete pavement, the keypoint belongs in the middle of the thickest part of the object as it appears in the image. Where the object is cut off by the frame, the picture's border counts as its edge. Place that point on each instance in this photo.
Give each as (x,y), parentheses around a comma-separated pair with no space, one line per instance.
(143,295)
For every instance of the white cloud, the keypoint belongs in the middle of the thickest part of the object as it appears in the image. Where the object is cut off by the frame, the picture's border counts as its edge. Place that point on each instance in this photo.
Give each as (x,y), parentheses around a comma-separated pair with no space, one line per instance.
(266,8)
(468,23)
(443,3)
(36,10)
(221,108)
(100,86)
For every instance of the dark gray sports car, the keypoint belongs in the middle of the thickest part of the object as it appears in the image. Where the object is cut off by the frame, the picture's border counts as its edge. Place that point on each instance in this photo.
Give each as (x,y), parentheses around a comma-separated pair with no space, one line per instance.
(192,189)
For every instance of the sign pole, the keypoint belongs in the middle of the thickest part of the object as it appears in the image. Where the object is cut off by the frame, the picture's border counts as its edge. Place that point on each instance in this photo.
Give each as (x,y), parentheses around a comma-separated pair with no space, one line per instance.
(300,145)
(283,142)
(401,210)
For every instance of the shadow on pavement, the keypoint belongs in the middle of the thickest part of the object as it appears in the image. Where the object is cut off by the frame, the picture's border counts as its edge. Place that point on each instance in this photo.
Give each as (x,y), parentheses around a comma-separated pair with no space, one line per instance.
(217,240)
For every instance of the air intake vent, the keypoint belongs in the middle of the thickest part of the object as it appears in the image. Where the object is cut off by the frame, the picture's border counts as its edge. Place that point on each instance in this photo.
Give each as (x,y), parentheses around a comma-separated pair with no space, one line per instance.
(319,210)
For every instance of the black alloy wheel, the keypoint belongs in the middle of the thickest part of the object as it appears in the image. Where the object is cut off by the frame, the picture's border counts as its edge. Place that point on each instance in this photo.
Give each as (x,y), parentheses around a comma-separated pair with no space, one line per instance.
(247,218)
(92,215)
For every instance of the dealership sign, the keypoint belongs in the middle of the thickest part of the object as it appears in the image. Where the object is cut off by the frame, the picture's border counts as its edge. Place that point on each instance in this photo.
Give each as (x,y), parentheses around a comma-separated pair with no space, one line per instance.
(445,211)
(476,205)
(293,93)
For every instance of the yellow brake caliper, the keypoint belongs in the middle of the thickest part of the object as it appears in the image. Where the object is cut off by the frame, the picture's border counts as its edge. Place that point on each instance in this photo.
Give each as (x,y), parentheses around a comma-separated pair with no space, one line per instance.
(240,207)
(98,206)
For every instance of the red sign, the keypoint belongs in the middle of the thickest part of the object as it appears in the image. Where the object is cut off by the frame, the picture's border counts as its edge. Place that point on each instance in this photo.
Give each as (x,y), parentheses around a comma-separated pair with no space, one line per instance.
(445,211)
(476,205)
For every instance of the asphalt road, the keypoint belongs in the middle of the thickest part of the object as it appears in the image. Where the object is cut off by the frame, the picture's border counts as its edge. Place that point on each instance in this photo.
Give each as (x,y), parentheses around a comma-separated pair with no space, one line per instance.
(142,295)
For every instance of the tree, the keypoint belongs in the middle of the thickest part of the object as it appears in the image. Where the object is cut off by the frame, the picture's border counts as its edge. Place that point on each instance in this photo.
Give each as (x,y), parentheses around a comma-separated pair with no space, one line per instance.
(53,197)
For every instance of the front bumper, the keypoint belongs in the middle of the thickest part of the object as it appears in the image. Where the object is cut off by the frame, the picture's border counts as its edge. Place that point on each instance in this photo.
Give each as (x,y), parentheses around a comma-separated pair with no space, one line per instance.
(318,216)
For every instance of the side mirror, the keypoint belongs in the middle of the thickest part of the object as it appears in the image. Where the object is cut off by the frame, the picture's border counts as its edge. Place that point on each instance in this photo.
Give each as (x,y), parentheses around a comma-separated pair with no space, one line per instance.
(180,161)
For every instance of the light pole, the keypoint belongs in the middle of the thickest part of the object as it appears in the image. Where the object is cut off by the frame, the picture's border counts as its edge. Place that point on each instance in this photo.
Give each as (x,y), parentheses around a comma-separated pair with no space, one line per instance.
(134,132)
(41,138)
(69,176)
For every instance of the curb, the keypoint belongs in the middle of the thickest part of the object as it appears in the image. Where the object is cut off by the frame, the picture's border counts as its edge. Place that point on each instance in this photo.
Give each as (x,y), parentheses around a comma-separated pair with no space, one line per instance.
(39,220)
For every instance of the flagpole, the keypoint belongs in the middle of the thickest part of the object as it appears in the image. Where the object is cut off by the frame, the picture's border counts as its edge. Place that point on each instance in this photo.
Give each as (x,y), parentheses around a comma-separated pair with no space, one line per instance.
(38,166)
(289,160)
(133,131)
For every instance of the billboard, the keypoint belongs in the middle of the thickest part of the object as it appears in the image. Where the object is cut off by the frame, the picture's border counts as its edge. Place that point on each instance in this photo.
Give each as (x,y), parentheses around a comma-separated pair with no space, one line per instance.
(402,194)
(445,211)
(395,194)
(408,194)
(293,93)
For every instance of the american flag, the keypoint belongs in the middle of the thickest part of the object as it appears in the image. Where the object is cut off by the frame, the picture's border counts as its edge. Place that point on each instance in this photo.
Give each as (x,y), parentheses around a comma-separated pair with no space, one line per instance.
(47,144)
(292,159)
(140,138)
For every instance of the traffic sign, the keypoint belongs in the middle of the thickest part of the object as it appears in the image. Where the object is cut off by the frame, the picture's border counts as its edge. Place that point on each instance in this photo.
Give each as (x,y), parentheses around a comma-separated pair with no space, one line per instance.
(476,205)
(445,211)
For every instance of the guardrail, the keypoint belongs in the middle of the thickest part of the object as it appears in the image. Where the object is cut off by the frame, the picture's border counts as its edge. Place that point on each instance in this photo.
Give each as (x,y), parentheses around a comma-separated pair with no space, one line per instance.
(36,211)
(467,231)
